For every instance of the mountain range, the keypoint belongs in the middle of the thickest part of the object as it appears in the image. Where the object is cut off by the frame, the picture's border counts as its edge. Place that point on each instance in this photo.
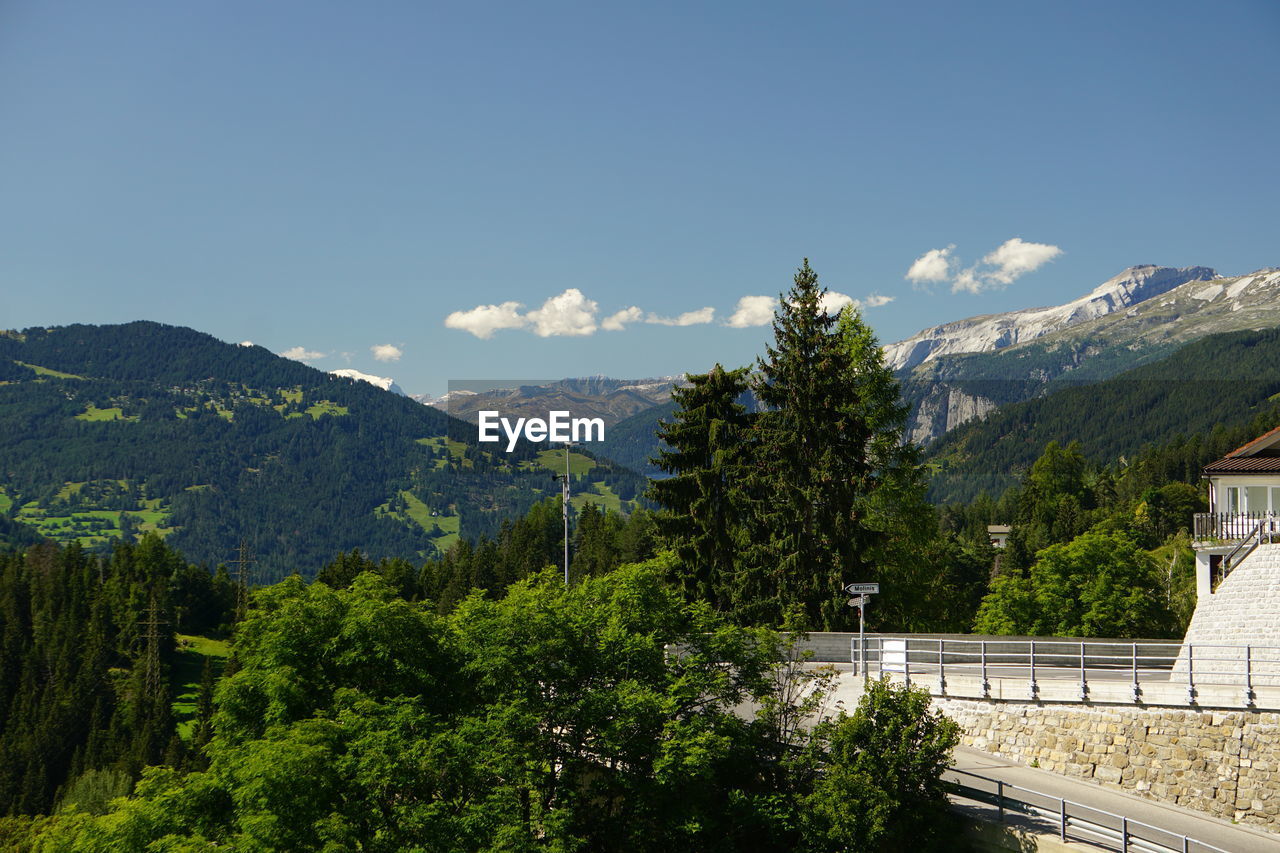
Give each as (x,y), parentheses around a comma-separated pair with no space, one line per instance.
(1219,382)
(958,371)
(114,430)
(961,371)
(110,431)
(998,331)
(611,400)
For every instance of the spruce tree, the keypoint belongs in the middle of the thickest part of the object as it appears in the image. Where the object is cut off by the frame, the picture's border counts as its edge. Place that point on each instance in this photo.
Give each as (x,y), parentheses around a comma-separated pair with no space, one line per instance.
(703,501)
(813,467)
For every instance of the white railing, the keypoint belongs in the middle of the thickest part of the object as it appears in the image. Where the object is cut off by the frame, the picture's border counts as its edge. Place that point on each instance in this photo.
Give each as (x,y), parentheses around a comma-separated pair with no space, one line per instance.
(1233,526)
(1074,821)
(1140,672)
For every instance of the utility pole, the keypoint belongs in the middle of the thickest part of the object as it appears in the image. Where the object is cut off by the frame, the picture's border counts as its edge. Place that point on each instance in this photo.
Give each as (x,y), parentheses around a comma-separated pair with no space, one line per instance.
(564,508)
(151,652)
(244,578)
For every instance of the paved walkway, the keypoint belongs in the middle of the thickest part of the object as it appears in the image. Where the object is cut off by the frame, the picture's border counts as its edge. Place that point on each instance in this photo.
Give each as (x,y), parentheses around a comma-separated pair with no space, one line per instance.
(1228,836)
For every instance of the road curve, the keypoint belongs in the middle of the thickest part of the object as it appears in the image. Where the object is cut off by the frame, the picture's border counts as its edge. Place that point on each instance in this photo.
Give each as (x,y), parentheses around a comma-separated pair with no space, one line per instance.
(1228,836)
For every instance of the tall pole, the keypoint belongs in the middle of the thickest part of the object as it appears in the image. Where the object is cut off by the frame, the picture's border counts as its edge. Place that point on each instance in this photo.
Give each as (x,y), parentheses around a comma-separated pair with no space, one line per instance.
(862,639)
(564,507)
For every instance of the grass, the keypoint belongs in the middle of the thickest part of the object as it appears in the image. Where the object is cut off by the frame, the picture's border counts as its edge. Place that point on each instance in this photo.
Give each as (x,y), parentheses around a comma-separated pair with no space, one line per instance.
(69,489)
(5,502)
(93,413)
(44,371)
(420,514)
(66,527)
(187,671)
(451,525)
(456,449)
(603,497)
(417,510)
(152,520)
(553,461)
(326,407)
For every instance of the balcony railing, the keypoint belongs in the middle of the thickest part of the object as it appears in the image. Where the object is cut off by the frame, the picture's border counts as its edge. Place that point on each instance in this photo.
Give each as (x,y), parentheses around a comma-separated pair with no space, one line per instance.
(1235,526)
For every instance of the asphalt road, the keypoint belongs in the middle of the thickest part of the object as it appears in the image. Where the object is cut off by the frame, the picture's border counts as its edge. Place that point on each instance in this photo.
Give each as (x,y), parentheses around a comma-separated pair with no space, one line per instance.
(1223,834)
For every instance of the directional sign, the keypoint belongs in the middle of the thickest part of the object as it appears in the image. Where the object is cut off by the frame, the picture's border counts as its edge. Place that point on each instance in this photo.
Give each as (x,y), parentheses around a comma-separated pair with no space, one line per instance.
(862,588)
(859,600)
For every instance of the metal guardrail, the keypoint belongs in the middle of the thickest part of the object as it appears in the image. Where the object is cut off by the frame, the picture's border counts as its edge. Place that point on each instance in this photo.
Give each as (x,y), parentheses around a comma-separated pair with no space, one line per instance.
(1076,821)
(1089,663)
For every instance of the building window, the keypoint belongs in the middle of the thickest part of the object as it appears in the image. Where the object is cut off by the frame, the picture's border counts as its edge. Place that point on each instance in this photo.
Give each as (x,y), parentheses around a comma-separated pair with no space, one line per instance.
(1256,499)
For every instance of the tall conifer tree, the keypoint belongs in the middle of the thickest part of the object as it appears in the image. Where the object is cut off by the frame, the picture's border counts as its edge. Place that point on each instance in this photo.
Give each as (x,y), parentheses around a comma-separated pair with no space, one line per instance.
(702,501)
(814,465)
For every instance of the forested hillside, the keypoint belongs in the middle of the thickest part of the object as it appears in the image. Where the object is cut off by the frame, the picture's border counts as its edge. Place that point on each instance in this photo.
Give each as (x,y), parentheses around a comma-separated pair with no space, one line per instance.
(87,662)
(117,430)
(633,442)
(1217,382)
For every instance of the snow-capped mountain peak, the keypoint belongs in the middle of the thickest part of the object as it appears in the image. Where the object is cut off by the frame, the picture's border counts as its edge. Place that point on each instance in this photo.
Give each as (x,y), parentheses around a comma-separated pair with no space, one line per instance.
(996,331)
(386,383)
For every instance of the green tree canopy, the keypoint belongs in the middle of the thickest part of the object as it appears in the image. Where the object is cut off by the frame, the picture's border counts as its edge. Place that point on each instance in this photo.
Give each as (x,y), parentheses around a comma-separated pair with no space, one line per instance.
(1097,585)
(605,717)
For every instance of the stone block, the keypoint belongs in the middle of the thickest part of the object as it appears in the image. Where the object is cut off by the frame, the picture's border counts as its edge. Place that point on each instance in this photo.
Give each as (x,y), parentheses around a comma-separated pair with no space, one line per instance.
(1107,774)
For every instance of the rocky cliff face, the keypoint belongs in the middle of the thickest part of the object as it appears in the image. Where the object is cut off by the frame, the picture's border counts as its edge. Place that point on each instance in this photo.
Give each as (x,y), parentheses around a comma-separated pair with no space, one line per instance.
(944,409)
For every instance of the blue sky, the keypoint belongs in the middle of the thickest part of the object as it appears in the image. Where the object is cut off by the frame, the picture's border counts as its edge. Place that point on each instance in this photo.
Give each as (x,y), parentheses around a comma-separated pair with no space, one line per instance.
(338,179)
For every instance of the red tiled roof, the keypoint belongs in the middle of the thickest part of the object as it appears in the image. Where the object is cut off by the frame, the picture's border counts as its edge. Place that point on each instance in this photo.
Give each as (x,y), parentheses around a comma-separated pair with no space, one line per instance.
(1242,448)
(1247,464)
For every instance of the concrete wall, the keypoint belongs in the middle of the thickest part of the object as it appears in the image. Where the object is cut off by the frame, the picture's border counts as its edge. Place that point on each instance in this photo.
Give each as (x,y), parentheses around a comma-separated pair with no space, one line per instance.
(1224,763)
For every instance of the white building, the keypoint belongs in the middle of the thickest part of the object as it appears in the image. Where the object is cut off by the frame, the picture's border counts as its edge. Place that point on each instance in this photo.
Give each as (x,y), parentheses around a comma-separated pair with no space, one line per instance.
(1244,509)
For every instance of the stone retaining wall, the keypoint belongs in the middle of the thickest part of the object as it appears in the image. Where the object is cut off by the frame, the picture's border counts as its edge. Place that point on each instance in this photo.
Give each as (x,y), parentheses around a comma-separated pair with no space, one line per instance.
(1242,611)
(1225,763)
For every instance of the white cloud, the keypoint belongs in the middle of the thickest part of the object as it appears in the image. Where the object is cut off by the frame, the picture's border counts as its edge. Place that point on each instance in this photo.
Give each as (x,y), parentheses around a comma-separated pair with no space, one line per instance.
(875,300)
(999,268)
(933,265)
(302,354)
(832,302)
(688,318)
(1016,257)
(483,320)
(570,313)
(617,322)
(752,311)
(969,281)
(386,352)
(246,343)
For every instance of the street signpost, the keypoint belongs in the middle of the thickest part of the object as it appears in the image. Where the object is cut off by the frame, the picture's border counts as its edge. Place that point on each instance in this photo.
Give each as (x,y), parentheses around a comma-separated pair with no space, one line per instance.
(862,593)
